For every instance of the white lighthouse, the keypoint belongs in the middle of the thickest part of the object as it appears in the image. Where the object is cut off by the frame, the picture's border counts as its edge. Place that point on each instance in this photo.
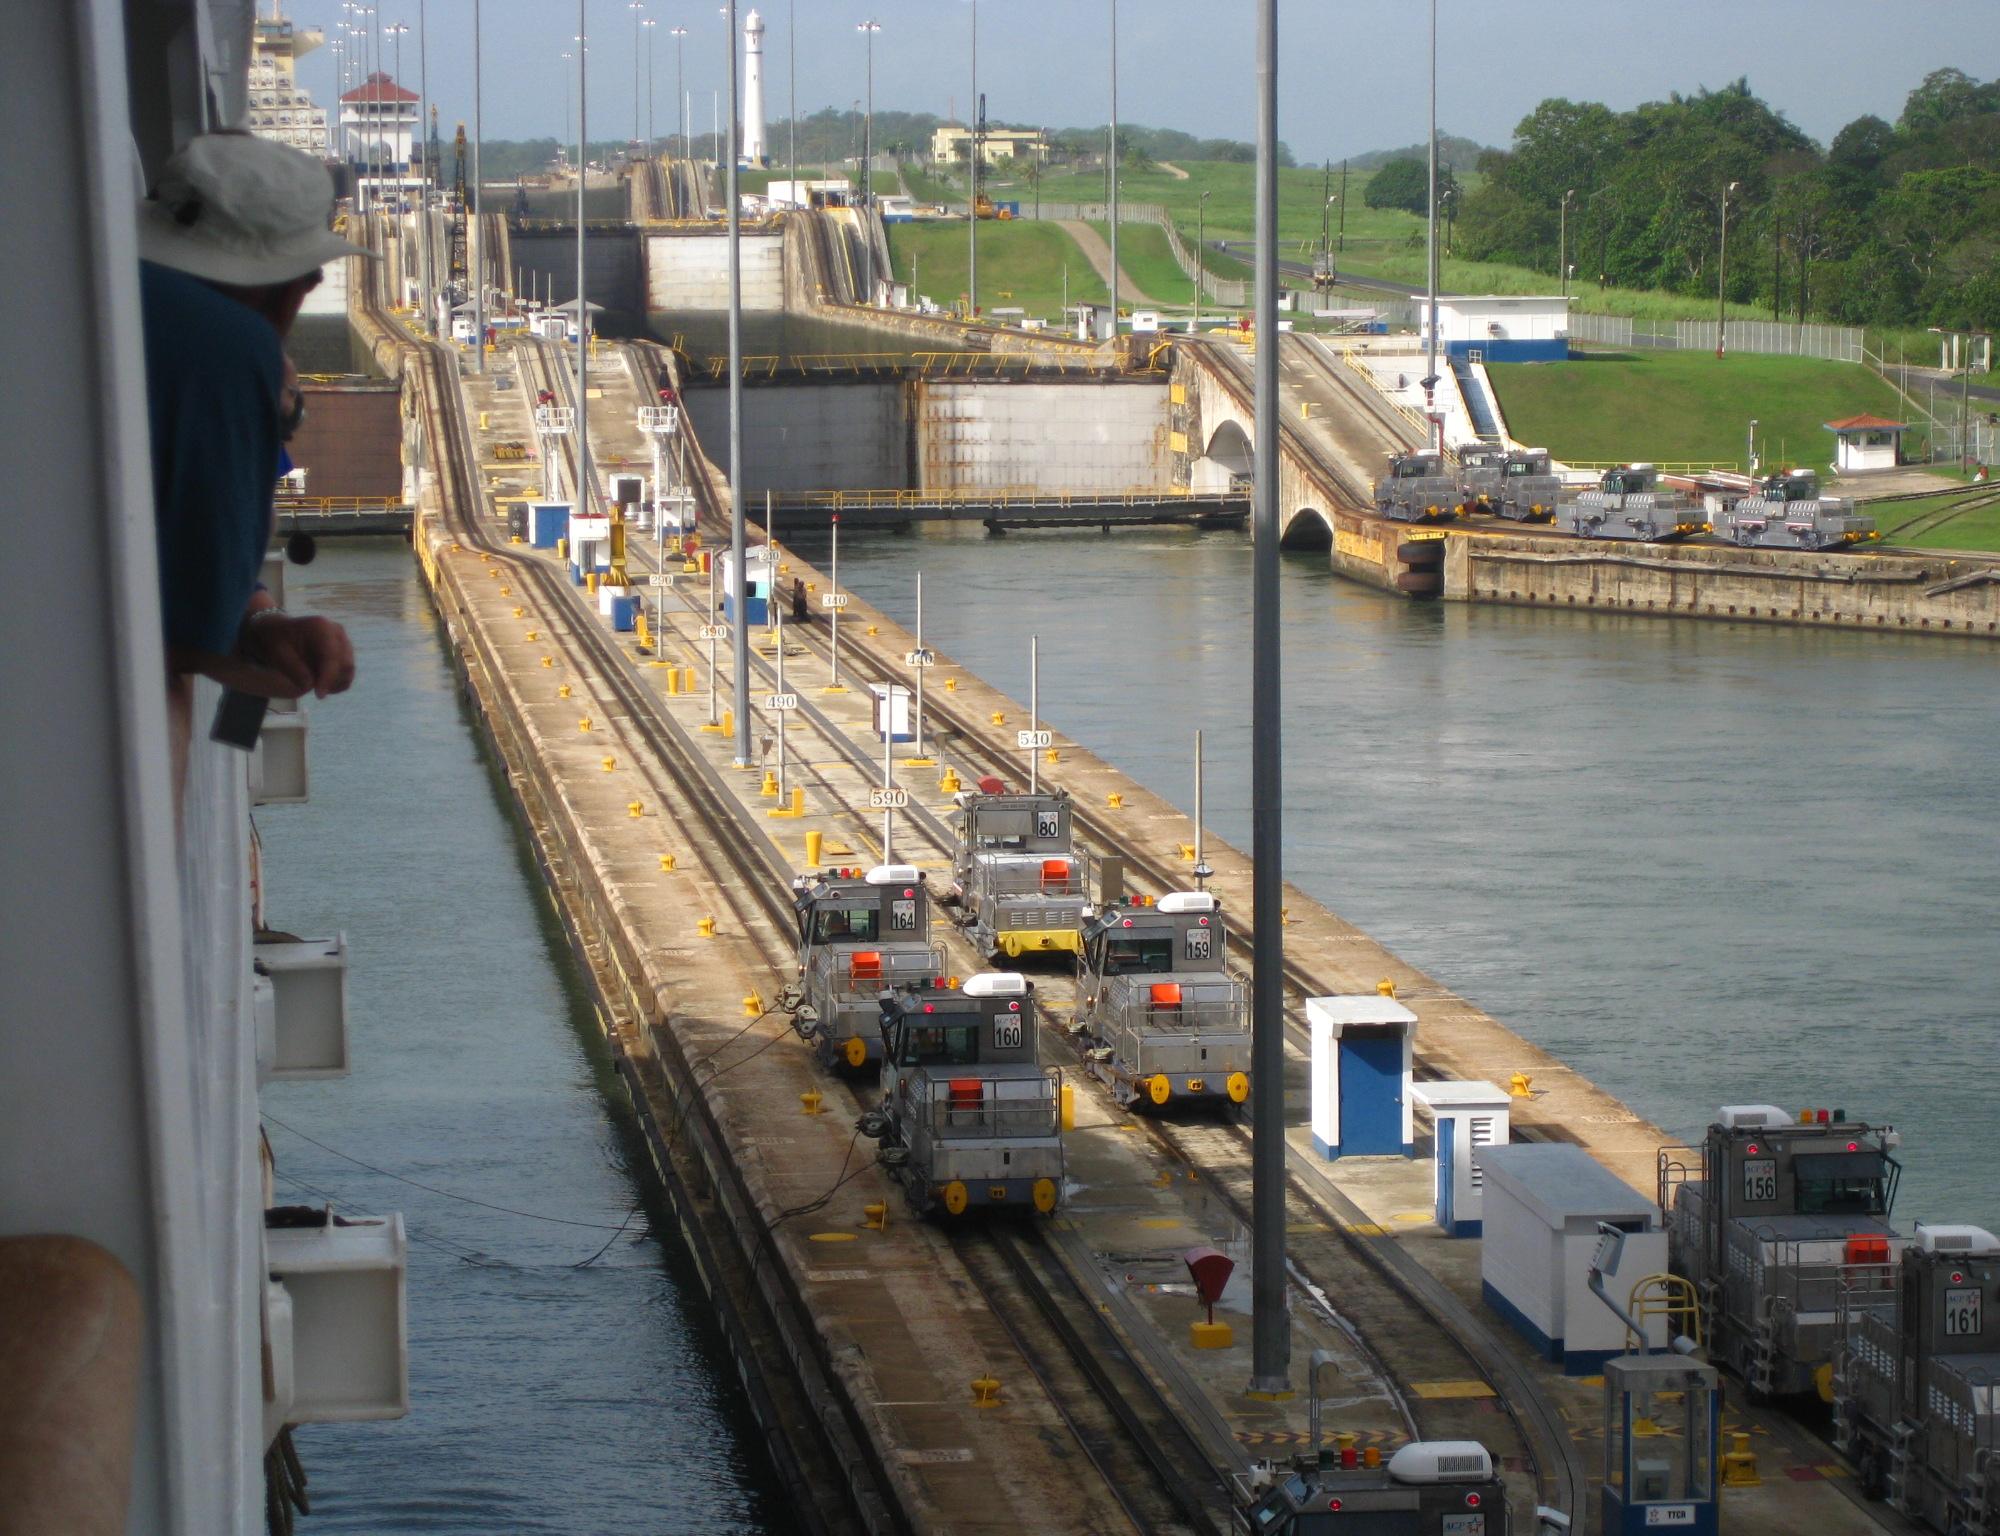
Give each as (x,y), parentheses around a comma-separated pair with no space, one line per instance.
(753,90)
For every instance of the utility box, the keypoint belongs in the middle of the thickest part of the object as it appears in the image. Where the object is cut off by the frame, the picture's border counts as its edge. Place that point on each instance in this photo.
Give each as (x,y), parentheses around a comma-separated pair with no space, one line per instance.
(589,545)
(1544,1202)
(1466,1119)
(548,523)
(307,1029)
(892,711)
(757,575)
(278,762)
(1361,1049)
(349,1356)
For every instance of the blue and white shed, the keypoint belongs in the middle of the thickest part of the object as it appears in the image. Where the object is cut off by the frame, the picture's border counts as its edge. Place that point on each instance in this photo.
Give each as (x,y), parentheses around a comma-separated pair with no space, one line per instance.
(548,523)
(1467,1119)
(1361,1050)
(757,582)
(1544,1201)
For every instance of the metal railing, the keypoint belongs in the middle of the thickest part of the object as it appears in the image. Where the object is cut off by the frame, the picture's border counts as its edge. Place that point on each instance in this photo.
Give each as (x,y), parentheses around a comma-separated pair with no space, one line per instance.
(1026,498)
(1351,356)
(290,506)
(990,1116)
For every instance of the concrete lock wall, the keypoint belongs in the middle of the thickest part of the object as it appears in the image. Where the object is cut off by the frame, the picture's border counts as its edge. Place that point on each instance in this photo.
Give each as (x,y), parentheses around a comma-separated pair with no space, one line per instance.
(545,267)
(692,272)
(812,437)
(1086,436)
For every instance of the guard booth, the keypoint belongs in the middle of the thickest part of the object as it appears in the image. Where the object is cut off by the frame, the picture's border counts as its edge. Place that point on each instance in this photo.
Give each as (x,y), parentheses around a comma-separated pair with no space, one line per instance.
(628,494)
(548,523)
(1361,1050)
(892,711)
(1546,1207)
(1662,1432)
(1466,1119)
(757,573)
(589,546)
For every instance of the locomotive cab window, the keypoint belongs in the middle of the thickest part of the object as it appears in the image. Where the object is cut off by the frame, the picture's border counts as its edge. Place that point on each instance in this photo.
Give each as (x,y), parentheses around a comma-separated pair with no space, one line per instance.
(831,924)
(1844,1183)
(1138,957)
(932,1045)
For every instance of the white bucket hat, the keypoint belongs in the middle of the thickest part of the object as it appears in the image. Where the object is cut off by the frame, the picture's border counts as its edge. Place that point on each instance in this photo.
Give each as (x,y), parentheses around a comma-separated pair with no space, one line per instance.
(243,211)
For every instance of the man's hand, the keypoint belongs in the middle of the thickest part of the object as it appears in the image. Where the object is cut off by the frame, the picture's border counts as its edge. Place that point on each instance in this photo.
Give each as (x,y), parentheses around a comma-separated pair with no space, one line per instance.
(313,654)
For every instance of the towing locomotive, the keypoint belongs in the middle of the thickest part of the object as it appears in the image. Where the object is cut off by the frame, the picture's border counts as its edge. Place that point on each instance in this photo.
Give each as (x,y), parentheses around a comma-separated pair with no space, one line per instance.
(1426,1488)
(1774,1221)
(969,1116)
(858,933)
(1629,503)
(1529,489)
(1417,489)
(1915,1370)
(1479,472)
(1020,877)
(1162,1019)
(1790,511)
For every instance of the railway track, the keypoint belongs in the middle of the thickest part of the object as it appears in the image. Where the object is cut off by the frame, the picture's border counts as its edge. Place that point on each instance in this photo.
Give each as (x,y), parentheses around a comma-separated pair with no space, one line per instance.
(1126,1428)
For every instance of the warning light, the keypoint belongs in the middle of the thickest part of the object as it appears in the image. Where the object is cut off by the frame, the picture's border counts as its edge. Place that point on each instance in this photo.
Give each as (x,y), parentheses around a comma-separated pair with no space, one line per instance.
(1826,1117)
(1854,1146)
(1751,1149)
(1128,922)
(1203,921)
(1333,1504)
(930,1007)
(1014,1007)
(1957,1278)
(908,893)
(1472,1501)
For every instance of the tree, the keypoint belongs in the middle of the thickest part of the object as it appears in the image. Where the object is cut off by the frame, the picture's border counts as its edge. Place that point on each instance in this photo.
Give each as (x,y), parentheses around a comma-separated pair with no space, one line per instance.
(1405,184)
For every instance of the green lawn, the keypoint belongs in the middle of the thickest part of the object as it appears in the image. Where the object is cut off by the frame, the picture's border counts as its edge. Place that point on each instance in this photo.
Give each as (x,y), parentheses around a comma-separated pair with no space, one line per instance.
(1016,257)
(1683,405)
(1976,529)
(1149,261)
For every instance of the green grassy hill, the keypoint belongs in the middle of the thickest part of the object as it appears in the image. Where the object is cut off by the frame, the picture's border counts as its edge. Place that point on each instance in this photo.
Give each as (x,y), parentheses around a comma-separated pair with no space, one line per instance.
(1686,405)
(1021,263)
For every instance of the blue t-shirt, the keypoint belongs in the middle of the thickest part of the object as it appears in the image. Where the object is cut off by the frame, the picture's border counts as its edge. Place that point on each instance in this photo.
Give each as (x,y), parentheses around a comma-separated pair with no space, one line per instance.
(214,369)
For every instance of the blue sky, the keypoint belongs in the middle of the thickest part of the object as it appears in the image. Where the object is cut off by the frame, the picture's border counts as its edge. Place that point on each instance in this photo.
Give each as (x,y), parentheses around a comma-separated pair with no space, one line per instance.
(1351,75)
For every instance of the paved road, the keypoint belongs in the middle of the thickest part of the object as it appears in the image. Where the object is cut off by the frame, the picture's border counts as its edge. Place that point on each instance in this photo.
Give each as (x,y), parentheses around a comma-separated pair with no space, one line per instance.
(1098,252)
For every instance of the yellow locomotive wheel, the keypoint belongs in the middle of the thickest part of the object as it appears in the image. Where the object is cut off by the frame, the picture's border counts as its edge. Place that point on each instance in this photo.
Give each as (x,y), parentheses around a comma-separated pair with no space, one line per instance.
(955,1198)
(1239,1087)
(1158,1089)
(1045,1195)
(856,1051)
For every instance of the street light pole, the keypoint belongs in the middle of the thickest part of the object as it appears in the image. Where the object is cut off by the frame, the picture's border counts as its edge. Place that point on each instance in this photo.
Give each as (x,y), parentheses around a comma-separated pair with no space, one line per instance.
(1721,276)
(1271,1334)
(635,7)
(649,24)
(680,97)
(478,242)
(868,29)
(586,482)
(396,30)
(430,171)
(792,50)
(1113,5)
(1562,243)
(739,574)
(972,183)
(1431,244)
(1200,230)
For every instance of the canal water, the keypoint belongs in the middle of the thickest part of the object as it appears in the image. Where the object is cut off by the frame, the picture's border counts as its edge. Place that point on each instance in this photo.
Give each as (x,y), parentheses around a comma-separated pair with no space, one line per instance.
(1701,863)
(564,1373)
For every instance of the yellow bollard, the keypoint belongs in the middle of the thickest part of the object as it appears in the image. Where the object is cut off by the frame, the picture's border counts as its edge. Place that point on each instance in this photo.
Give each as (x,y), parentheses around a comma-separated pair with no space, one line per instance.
(509,592)
(563,691)
(1520,1086)
(673,680)
(484,424)
(1069,1106)
(985,1392)
(666,862)
(534,634)
(813,841)
(705,928)
(583,724)
(1052,755)
(770,789)
(548,661)
(495,575)
(1385,988)
(518,609)
(753,1005)
(590,582)
(1187,852)
(875,1217)
(951,685)
(635,809)
(562,549)
(515,538)
(1739,1462)
(1115,801)
(811,1100)
(687,679)
(610,763)
(729,722)
(796,808)
(1284,917)
(948,782)
(999,717)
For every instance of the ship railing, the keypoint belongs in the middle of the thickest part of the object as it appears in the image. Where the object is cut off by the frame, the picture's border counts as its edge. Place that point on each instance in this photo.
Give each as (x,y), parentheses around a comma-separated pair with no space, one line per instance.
(1675,1165)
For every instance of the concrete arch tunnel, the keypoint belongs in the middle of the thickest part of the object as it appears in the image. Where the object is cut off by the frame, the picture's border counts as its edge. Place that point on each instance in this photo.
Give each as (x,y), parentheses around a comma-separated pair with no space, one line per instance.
(1230,460)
